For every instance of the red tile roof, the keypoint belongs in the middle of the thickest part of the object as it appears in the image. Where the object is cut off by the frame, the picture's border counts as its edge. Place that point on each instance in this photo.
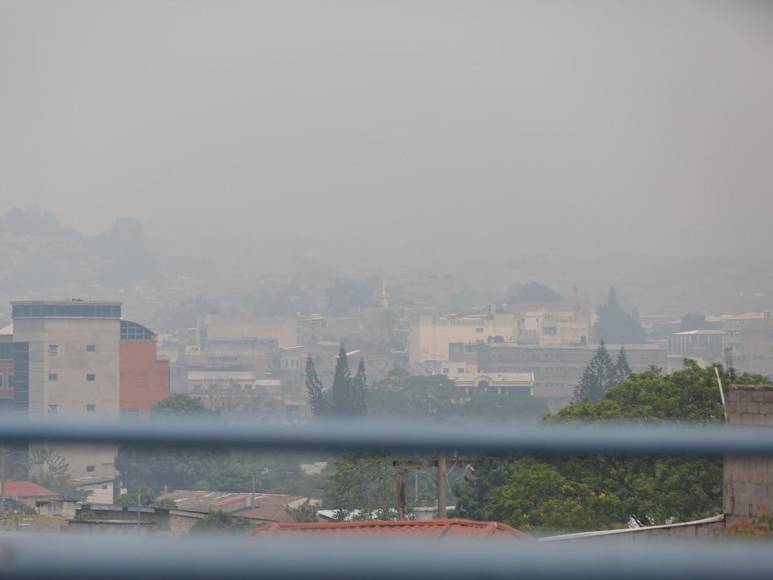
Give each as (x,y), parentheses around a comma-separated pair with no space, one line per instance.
(13,488)
(429,528)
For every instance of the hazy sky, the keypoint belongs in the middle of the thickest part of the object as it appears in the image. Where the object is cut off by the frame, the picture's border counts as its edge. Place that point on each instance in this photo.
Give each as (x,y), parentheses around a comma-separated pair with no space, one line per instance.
(421,127)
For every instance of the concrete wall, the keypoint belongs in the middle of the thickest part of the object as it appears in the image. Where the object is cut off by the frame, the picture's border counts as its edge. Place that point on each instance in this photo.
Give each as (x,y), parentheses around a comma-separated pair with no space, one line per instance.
(58,380)
(699,529)
(748,481)
(60,364)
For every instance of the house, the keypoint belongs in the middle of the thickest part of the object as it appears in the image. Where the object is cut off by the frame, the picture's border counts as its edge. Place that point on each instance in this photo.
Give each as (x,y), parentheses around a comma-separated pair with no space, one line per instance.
(26,492)
(396,529)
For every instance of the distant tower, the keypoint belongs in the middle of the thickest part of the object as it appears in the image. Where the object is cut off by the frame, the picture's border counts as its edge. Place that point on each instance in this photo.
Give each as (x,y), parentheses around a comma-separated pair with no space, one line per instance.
(384,295)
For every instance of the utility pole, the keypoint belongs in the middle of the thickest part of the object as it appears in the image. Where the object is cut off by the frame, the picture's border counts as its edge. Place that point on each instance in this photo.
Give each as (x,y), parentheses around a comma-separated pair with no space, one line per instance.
(442,486)
(402,502)
(139,503)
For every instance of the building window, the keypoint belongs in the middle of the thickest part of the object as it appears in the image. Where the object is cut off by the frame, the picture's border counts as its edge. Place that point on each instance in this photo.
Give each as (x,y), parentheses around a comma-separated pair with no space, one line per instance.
(130,413)
(91,348)
(90,469)
(91,408)
(53,409)
(53,377)
(53,349)
(91,377)
(104,487)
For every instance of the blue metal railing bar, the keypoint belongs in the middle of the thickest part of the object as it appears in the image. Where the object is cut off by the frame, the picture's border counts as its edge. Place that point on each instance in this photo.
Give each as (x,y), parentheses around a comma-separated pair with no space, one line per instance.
(235,558)
(630,439)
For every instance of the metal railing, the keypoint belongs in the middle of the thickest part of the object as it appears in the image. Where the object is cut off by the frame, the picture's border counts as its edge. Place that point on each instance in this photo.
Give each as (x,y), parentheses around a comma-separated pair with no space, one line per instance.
(37,556)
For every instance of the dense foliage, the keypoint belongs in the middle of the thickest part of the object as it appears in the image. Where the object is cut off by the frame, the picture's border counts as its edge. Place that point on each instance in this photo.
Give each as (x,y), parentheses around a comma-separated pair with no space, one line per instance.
(212,467)
(599,492)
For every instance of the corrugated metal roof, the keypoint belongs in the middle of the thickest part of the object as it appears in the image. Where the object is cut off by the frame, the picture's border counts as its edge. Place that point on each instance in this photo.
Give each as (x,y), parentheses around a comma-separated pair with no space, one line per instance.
(262,506)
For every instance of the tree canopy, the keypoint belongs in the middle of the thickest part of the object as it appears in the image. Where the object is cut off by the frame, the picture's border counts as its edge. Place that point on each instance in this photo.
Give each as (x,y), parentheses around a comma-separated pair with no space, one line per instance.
(582,493)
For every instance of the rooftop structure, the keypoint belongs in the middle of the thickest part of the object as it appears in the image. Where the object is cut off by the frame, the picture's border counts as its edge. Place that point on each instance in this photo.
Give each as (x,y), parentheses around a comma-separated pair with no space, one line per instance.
(401,528)
(271,507)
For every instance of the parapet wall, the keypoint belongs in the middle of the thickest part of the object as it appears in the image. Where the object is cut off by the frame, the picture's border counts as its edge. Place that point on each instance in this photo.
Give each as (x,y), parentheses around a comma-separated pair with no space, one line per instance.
(748,481)
(699,529)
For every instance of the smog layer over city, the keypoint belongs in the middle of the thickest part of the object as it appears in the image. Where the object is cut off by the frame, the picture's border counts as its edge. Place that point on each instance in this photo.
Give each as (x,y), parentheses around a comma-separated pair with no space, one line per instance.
(371,268)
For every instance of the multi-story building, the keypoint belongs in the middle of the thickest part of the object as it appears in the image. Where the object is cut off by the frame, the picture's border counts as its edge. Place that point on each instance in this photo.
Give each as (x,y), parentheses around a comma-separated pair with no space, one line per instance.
(78,358)
(542,324)
(429,336)
(748,341)
(73,370)
(553,323)
(697,344)
(557,369)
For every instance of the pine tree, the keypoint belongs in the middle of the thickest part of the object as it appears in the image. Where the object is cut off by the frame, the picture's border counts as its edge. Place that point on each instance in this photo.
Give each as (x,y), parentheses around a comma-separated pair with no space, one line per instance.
(616,326)
(622,368)
(360,390)
(597,378)
(343,388)
(317,397)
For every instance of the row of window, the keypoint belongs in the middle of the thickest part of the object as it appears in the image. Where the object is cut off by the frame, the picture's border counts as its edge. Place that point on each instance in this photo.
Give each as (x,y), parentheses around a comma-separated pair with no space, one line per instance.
(53,377)
(74,310)
(54,409)
(54,348)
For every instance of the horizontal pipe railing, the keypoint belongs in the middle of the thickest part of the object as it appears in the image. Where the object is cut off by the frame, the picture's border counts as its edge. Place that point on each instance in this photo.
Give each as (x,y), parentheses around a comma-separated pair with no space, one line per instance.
(56,557)
(629,439)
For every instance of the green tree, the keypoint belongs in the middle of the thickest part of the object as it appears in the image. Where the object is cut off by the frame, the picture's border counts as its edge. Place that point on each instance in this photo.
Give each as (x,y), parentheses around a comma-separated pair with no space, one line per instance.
(611,491)
(622,369)
(143,495)
(342,392)
(181,406)
(615,326)
(306,512)
(317,397)
(364,481)
(597,378)
(538,495)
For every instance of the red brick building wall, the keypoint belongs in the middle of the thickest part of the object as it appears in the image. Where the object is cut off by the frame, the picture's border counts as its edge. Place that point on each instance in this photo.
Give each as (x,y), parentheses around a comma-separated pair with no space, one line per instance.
(144,378)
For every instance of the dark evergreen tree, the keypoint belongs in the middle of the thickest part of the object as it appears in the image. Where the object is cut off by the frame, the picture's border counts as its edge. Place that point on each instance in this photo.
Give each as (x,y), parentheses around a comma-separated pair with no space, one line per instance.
(317,397)
(343,397)
(622,368)
(616,326)
(360,390)
(597,378)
